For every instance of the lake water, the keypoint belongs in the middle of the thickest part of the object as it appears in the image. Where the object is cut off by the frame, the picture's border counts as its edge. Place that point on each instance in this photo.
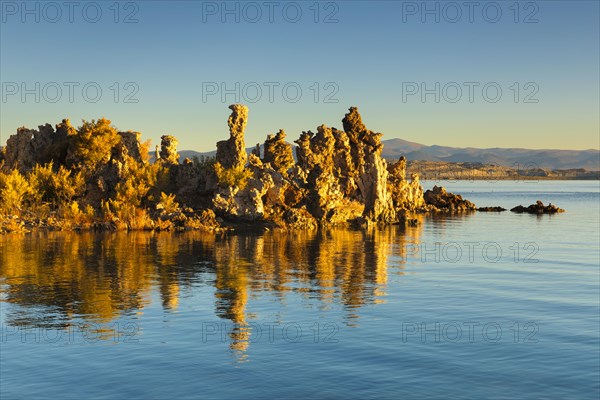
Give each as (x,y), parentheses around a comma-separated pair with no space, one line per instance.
(485,305)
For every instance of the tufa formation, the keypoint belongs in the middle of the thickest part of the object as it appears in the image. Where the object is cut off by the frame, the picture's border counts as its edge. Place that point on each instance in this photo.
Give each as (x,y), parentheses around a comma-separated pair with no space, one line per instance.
(106,181)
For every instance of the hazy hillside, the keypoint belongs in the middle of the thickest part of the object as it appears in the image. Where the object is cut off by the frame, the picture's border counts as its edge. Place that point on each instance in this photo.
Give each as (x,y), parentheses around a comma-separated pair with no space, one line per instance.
(550,159)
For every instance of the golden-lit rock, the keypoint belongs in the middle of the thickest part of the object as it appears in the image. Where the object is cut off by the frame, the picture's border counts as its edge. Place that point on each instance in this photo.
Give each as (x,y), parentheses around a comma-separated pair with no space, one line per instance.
(278,152)
(231,153)
(445,201)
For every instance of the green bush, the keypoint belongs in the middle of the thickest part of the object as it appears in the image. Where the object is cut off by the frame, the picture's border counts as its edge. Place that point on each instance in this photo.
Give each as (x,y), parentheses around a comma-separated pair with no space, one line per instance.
(232,177)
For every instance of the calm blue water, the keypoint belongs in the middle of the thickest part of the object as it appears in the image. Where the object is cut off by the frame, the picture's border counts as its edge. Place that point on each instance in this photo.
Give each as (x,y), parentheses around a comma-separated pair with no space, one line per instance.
(488,305)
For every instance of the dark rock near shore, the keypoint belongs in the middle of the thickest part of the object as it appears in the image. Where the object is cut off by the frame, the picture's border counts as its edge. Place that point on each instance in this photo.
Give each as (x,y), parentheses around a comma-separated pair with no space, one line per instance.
(538,208)
(443,200)
(491,209)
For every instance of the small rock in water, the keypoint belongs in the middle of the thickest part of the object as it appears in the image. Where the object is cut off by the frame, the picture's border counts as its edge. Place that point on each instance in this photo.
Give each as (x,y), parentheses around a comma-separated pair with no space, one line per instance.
(444,200)
(491,209)
(538,208)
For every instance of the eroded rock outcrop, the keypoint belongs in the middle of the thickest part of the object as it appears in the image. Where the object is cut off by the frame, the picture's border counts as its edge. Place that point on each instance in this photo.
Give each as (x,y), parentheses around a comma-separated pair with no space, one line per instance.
(168,150)
(247,201)
(371,168)
(231,153)
(406,196)
(339,176)
(29,147)
(344,169)
(131,143)
(278,152)
(445,201)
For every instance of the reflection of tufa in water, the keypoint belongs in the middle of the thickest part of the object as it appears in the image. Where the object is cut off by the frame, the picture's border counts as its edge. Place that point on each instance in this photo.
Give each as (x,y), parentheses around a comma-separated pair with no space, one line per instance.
(62,279)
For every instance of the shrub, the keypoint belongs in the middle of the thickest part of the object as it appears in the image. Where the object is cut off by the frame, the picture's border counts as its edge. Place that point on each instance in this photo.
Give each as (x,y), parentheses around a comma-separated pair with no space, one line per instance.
(167,203)
(136,184)
(232,177)
(92,144)
(14,191)
(204,164)
(74,215)
(57,187)
(126,216)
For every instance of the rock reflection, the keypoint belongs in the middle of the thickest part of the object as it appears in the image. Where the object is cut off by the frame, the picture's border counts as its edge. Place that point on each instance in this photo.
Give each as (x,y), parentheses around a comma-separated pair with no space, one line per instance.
(59,279)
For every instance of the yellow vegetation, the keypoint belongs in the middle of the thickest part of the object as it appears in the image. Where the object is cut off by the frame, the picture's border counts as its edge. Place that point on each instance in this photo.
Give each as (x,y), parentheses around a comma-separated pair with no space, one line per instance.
(56,187)
(232,177)
(14,192)
(167,203)
(93,143)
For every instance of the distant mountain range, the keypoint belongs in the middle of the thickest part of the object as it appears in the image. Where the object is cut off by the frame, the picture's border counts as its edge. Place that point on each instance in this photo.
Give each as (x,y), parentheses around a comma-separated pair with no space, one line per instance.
(547,159)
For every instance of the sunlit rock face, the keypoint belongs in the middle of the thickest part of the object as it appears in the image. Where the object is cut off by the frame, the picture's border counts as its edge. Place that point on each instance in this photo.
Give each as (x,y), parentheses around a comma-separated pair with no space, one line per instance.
(231,153)
(315,158)
(406,196)
(245,202)
(248,202)
(339,176)
(343,165)
(130,144)
(277,152)
(29,147)
(371,169)
(445,201)
(168,150)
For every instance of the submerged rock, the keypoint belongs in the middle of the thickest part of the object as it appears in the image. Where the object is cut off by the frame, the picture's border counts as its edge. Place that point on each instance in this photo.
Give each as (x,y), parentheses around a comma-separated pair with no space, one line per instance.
(538,208)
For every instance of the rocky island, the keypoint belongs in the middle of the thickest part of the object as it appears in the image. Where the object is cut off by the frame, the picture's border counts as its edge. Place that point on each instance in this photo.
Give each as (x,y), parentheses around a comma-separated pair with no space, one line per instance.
(538,208)
(95,177)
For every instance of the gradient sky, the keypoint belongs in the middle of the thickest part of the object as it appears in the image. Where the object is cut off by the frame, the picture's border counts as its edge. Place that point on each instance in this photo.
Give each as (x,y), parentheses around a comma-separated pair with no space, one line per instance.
(369,54)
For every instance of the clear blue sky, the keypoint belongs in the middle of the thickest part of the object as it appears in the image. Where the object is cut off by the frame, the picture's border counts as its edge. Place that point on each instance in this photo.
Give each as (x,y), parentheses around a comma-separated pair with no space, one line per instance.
(372,57)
